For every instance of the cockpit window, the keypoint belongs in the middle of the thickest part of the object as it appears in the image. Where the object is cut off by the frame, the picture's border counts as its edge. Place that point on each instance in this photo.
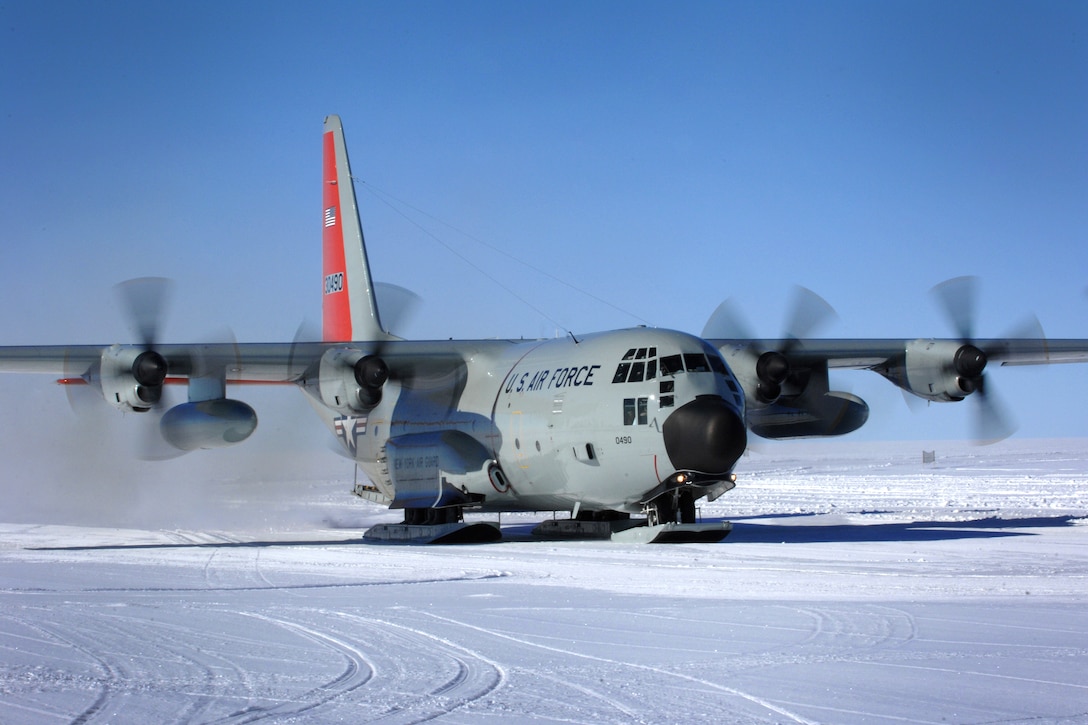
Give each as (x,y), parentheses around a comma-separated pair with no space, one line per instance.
(671,365)
(641,364)
(638,364)
(695,362)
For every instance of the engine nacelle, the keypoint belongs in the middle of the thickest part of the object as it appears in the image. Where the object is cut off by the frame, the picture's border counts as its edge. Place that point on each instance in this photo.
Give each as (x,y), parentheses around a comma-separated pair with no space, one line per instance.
(350,381)
(130,378)
(208,424)
(763,377)
(938,370)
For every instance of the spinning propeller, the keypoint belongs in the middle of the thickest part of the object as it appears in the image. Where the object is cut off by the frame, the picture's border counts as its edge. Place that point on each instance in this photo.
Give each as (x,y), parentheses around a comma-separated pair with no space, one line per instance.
(808,312)
(130,380)
(144,301)
(958,299)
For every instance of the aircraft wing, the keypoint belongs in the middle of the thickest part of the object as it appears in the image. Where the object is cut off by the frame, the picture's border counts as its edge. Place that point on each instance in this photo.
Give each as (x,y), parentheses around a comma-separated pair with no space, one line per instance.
(256,363)
(787,387)
(874,354)
(273,363)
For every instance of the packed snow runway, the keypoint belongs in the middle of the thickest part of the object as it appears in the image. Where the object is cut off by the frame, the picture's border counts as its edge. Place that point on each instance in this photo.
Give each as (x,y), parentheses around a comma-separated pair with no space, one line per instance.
(858,586)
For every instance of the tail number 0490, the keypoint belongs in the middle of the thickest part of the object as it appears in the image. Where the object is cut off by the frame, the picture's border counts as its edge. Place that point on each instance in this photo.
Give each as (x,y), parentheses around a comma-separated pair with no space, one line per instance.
(334,283)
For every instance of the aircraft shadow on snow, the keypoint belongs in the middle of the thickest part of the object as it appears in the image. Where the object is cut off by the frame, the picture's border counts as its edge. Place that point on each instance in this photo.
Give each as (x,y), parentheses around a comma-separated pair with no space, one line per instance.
(744,531)
(989,527)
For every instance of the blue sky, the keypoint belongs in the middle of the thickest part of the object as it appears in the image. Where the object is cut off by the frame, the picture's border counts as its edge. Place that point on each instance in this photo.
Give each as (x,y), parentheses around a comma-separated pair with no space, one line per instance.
(660,157)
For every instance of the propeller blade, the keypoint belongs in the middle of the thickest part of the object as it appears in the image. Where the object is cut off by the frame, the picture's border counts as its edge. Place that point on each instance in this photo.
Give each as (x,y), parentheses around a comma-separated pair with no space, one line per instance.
(144,301)
(808,312)
(1028,329)
(727,323)
(992,423)
(958,298)
(149,445)
(398,305)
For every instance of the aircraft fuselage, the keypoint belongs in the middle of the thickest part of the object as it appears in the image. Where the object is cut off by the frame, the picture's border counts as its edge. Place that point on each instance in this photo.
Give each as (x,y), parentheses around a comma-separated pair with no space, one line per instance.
(558,424)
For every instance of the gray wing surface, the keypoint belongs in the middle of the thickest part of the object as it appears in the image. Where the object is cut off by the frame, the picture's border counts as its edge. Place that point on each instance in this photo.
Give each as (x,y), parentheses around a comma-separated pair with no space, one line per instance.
(869,354)
(256,363)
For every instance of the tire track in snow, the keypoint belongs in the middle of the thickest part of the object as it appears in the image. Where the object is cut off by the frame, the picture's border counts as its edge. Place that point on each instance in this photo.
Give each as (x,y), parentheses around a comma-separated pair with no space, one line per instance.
(755,699)
(172,639)
(610,701)
(470,683)
(107,685)
(103,685)
(358,671)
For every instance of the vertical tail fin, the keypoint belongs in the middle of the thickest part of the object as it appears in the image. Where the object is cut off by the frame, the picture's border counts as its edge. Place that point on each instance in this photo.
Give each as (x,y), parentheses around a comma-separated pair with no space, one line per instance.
(349,310)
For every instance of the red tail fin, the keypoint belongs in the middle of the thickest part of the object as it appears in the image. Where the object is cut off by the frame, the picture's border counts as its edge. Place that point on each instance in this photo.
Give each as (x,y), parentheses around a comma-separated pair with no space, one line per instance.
(349,310)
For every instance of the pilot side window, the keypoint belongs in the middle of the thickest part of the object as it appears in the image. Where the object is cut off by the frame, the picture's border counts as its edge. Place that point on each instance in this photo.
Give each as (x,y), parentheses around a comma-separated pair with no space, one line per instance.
(671,365)
(636,411)
(696,362)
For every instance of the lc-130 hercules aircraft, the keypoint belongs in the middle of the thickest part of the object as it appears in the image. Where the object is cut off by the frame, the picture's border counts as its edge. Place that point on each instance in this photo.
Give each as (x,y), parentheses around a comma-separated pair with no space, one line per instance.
(638,421)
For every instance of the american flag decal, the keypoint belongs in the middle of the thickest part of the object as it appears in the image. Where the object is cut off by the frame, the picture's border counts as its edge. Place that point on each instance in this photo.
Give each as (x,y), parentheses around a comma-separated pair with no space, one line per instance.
(330,216)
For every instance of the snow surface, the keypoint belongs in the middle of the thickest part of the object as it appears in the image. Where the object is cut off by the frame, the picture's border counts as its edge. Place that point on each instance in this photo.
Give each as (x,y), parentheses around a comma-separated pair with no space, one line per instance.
(859,586)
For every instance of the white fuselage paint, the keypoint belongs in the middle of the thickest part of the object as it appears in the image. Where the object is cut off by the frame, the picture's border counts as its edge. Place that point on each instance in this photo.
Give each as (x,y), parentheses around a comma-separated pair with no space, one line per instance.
(550,415)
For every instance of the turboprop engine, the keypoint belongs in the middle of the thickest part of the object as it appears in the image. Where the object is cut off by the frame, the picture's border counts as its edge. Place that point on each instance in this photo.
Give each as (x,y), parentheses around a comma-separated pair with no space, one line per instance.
(939,370)
(351,381)
(130,378)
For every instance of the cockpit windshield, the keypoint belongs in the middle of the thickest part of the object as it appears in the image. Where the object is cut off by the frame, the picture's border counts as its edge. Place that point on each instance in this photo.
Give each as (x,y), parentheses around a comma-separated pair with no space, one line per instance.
(641,364)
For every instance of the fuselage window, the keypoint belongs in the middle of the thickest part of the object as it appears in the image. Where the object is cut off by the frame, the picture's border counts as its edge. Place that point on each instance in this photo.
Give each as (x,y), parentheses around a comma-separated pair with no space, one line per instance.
(643,411)
(666,401)
(628,411)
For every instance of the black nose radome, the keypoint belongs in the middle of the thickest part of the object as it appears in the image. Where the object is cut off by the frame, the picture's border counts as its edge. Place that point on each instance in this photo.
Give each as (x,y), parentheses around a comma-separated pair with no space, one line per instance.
(706,435)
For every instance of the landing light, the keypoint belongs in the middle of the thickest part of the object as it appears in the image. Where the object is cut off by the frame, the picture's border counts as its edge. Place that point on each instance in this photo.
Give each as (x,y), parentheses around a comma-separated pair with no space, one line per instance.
(700,479)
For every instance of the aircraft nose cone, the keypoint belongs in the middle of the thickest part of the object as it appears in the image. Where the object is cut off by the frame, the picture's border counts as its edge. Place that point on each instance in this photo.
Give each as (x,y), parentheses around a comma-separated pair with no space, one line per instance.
(706,435)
